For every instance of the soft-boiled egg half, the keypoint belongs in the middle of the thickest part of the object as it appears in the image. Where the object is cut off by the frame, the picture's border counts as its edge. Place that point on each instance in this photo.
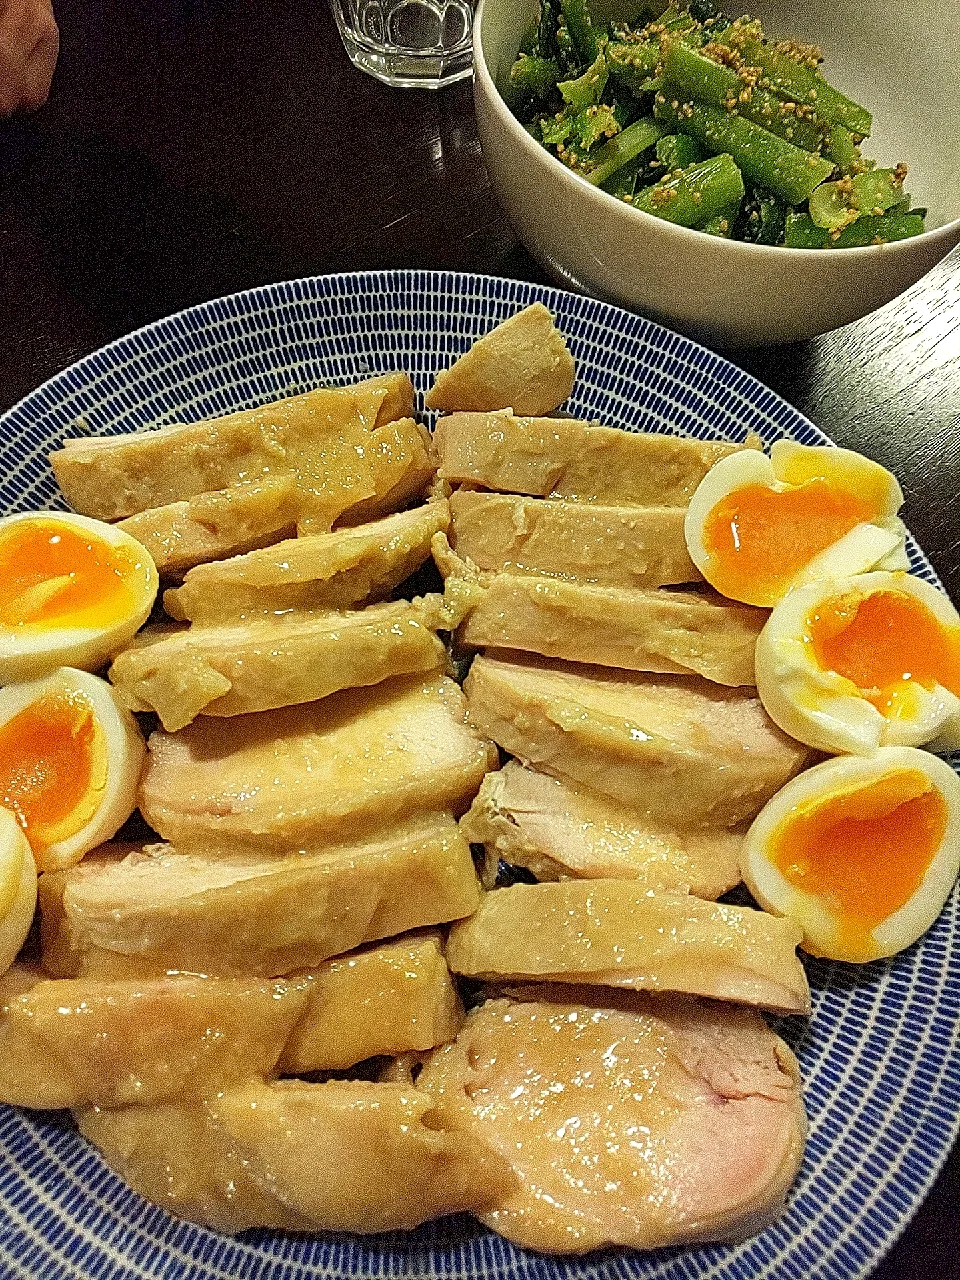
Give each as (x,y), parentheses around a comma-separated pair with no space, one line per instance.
(861,851)
(18,889)
(73,591)
(758,526)
(851,664)
(70,762)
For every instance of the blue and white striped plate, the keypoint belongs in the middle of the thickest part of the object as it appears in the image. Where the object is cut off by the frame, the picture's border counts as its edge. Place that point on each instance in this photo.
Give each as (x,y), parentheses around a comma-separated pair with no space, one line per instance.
(882,1080)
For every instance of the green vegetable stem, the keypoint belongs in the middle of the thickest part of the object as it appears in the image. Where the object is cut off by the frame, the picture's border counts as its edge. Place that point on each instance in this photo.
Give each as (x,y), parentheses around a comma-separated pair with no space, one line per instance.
(693,75)
(838,204)
(693,196)
(768,161)
(677,150)
(790,74)
(621,149)
(803,233)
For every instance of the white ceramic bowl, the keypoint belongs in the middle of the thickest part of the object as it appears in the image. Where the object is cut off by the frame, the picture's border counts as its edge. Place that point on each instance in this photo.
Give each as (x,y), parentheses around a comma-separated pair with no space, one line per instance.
(726,292)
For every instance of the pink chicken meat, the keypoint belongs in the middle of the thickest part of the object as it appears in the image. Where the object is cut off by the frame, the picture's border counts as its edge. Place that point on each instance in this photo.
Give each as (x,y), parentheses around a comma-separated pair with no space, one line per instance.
(640,1122)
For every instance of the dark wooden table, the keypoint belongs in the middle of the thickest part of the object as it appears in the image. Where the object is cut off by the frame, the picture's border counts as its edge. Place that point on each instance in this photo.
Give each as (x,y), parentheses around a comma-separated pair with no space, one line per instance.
(192,149)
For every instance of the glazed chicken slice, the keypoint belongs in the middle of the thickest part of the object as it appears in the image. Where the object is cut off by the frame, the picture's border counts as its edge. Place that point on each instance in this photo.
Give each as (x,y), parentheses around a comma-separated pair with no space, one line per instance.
(399,398)
(171,1154)
(320,438)
(523,362)
(261,663)
(557,831)
(73,1043)
(256,513)
(612,546)
(639,1122)
(668,632)
(323,571)
(564,458)
(401,455)
(243,914)
(394,1000)
(211,526)
(685,751)
(358,1156)
(620,934)
(390,999)
(343,1156)
(306,776)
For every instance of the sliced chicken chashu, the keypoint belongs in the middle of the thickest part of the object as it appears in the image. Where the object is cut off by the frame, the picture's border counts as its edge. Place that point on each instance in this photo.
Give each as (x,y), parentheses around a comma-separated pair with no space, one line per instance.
(685,751)
(305,776)
(559,831)
(172,1155)
(523,363)
(62,953)
(242,914)
(181,1158)
(257,513)
(619,934)
(401,455)
(640,1123)
(357,1156)
(258,664)
(399,396)
(322,571)
(211,526)
(563,458)
(611,546)
(320,438)
(391,999)
(74,1043)
(670,632)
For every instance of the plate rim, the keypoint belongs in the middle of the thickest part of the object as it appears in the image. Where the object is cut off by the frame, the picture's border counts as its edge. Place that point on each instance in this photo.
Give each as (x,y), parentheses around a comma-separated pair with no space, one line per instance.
(372,274)
(460,282)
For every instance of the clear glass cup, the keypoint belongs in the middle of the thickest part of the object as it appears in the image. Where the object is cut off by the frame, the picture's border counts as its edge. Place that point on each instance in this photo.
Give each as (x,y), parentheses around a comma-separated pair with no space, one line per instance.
(410,44)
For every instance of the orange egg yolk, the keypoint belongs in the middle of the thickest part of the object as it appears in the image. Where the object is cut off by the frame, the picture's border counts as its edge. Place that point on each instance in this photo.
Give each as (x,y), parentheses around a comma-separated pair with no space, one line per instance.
(56,575)
(864,852)
(882,642)
(759,539)
(52,767)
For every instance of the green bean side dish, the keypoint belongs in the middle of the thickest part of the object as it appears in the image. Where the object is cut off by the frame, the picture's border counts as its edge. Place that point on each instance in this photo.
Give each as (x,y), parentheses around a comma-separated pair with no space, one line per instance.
(706,123)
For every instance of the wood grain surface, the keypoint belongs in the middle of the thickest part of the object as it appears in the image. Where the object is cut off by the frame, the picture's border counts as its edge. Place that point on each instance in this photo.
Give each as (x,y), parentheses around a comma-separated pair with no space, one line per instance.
(192,149)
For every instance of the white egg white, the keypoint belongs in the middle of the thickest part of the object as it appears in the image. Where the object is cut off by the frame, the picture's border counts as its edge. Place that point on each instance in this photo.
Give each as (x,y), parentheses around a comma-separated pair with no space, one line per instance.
(18,889)
(839,776)
(29,653)
(125,751)
(866,546)
(826,710)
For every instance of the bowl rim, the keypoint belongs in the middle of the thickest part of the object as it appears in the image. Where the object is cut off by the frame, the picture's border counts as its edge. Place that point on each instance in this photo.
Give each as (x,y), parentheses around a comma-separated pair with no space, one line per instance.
(947,231)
